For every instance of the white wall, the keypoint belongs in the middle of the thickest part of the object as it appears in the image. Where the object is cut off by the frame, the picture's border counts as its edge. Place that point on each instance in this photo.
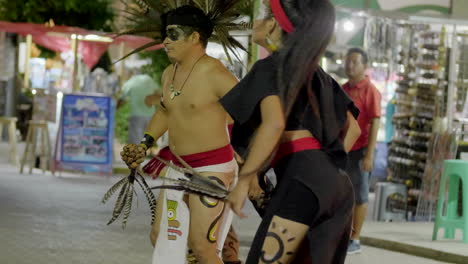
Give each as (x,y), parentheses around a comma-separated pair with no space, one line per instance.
(397,4)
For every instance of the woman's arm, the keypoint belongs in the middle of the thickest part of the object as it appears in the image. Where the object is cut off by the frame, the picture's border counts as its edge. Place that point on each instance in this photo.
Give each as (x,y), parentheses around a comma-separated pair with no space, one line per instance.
(263,144)
(266,138)
(352,132)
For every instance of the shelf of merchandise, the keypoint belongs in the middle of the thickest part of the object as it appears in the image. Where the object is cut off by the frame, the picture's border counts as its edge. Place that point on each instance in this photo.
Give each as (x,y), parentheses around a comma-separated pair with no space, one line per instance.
(448,126)
(419,101)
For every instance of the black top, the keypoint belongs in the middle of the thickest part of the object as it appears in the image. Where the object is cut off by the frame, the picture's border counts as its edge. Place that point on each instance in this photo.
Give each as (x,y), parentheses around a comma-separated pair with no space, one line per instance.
(316,169)
(243,104)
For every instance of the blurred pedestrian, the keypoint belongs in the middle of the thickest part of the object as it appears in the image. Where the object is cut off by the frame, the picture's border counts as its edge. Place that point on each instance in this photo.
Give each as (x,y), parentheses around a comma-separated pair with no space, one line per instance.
(361,157)
(142,93)
(102,78)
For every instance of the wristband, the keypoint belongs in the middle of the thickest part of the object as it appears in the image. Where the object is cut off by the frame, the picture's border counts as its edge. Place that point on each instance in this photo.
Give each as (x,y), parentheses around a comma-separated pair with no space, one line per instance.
(147,141)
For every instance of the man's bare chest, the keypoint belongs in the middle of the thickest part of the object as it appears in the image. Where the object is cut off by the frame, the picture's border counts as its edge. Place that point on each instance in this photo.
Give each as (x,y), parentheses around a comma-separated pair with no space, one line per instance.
(196,94)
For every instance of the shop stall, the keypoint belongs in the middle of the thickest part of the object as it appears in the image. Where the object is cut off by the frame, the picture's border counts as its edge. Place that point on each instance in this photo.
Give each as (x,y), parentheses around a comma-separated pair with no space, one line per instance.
(77,51)
(419,63)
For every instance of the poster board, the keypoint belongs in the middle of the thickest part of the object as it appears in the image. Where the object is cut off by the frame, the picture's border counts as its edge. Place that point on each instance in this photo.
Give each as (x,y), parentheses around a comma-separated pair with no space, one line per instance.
(85,135)
(37,73)
(44,106)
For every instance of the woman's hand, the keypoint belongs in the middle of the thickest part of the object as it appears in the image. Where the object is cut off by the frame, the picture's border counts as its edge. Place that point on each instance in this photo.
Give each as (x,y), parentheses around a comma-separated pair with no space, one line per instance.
(255,191)
(238,196)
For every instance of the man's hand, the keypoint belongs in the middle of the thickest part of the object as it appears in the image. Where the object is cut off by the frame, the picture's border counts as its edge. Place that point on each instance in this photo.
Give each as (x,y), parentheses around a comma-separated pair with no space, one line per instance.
(238,158)
(238,197)
(151,100)
(133,155)
(368,162)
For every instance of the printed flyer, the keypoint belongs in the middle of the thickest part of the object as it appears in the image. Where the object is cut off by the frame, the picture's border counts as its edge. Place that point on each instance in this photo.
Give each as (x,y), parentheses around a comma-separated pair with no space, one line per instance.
(86,134)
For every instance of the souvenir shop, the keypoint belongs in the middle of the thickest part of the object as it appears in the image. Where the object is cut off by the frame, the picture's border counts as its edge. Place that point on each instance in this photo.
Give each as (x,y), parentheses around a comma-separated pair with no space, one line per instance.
(420,65)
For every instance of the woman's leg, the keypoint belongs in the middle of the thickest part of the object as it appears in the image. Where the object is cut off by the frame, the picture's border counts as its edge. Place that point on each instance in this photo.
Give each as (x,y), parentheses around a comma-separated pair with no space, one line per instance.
(303,253)
(282,241)
(285,224)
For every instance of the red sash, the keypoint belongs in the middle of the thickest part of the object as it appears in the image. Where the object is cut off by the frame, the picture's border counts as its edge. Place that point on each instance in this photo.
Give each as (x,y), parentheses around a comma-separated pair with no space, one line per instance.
(288,148)
(208,158)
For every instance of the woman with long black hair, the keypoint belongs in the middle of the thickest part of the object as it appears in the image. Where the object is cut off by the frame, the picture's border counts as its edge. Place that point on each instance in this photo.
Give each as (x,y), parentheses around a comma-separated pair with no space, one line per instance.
(289,104)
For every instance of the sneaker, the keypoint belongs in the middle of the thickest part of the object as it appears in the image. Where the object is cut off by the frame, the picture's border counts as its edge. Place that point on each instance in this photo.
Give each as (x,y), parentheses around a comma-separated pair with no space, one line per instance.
(354,247)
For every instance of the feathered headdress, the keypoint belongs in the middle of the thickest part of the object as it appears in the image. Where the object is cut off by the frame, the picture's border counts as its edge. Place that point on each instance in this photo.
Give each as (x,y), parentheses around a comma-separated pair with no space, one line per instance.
(147,17)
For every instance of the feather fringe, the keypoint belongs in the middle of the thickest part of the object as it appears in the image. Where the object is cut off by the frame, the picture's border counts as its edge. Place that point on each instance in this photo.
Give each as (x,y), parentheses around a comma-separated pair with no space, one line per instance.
(124,200)
(120,203)
(224,14)
(128,205)
(150,197)
(112,190)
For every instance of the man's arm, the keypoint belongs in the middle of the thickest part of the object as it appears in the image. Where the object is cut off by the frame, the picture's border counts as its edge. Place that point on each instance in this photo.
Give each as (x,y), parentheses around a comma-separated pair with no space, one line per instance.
(124,96)
(352,132)
(368,161)
(158,123)
(223,79)
(121,102)
(373,109)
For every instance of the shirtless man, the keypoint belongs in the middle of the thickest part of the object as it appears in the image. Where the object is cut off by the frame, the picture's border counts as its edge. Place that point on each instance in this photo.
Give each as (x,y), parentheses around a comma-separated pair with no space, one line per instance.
(196,123)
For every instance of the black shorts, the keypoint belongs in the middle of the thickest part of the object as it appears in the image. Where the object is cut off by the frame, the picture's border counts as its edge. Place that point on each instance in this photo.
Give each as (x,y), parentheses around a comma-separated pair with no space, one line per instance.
(292,206)
(313,191)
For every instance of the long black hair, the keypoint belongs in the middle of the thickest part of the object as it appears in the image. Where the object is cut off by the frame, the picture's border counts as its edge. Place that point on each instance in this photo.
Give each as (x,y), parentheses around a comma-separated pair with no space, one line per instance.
(314,23)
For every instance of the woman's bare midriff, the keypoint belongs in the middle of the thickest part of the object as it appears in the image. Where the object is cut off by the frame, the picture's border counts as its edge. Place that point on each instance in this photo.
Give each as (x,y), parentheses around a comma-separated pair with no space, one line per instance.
(289,136)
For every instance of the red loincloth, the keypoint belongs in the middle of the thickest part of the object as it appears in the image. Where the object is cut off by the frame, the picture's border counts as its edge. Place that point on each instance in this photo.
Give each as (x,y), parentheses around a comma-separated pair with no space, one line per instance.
(208,158)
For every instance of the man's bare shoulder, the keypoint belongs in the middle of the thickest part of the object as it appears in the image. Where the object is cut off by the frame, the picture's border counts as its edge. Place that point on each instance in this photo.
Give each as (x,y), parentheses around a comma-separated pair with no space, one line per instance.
(215,69)
(166,72)
(218,76)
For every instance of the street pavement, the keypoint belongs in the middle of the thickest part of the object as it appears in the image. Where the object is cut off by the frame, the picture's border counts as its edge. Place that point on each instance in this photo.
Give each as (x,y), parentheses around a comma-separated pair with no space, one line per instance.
(47,219)
(370,255)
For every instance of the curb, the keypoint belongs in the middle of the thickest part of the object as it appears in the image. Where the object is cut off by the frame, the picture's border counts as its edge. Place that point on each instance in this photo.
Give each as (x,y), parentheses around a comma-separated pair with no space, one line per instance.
(414,250)
(418,251)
